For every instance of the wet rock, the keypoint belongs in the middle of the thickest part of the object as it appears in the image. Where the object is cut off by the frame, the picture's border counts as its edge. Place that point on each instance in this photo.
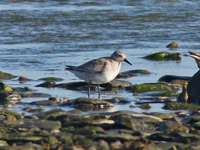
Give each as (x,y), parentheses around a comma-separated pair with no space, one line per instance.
(10,137)
(36,110)
(83,86)
(138,122)
(193,89)
(31,94)
(147,87)
(145,106)
(180,106)
(51,79)
(24,79)
(111,136)
(50,126)
(118,100)
(44,103)
(73,86)
(175,137)
(91,103)
(3,143)
(163,56)
(172,45)
(48,84)
(170,126)
(6,76)
(15,114)
(132,73)
(13,98)
(52,114)
(116,84)
(171,78)
(4,87)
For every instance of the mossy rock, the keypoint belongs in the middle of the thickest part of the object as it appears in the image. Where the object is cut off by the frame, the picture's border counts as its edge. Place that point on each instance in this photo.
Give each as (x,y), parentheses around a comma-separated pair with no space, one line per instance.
(181,106)
(148,87)
(172,45)
(4,87)
(6,111)
(163,56)
(6,76)
(132,73)
(50,79)
(145,106)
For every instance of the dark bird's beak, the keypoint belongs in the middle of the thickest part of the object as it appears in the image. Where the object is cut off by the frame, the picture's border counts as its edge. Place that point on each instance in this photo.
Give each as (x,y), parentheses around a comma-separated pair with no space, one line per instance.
(127,61)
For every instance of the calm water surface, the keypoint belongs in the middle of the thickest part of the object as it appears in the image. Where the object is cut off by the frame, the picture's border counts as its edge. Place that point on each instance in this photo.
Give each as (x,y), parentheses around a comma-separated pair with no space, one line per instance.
(77,31)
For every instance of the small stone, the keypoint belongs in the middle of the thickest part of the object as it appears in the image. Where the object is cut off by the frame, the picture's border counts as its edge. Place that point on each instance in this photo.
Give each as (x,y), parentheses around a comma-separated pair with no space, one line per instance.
(172,45)
(24,79)
(145,106)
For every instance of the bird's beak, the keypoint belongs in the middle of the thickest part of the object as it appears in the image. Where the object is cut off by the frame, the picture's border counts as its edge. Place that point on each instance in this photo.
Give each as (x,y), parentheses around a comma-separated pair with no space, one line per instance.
(127,61)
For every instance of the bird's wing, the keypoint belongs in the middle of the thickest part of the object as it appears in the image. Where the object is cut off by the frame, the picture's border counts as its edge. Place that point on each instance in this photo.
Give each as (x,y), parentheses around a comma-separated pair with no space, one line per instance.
(194,55)
(95,66)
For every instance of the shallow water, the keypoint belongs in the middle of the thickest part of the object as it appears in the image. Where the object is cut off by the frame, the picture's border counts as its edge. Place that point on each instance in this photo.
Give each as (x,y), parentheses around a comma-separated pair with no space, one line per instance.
(77,31)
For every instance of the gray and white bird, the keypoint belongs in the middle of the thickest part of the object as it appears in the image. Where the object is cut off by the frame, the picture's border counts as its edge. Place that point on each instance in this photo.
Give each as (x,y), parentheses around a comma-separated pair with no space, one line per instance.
(99,71)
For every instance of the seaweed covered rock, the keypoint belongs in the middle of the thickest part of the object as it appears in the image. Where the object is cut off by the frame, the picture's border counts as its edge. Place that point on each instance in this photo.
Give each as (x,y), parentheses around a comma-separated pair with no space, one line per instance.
(181,106)
(6,76)
(132,73)
(148,87)
(163,56)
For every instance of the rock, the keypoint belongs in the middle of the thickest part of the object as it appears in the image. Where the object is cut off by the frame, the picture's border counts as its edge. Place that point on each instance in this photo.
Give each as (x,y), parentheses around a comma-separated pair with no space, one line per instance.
(51,79)
(87,103)
(13,98)
(193,89)
(116,84)
(138,122)
(171,78)
(172,45)
(50,126)
(163,56)
(6,76)
(175,137)
(48,84)
(171,126)
(83,86)
(180,106)
(73,86)
(52,114)
(4,87)
(44,103)
(15,114)
(36,110)
(132,73)
(147,87)
(31,94)
(118,100)
(145,106)
(24,79)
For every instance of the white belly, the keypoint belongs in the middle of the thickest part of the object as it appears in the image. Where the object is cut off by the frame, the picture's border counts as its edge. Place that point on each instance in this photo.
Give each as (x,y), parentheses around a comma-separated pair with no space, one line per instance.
(109,73)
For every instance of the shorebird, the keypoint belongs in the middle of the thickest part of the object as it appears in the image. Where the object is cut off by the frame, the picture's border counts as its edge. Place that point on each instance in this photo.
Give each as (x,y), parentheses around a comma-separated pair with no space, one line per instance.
(99,71)
(196,56)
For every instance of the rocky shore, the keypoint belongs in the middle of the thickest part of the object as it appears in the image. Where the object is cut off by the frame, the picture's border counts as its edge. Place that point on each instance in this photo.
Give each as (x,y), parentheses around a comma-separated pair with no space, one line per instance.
(91,126)
(76,130)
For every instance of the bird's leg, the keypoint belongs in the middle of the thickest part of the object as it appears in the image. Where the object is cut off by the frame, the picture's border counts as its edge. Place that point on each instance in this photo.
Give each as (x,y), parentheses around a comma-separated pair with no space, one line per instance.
(89,83)
(99,90)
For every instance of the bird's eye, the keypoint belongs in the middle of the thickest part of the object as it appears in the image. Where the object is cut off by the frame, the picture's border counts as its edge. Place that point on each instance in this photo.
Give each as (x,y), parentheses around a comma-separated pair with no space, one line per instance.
(119,55)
